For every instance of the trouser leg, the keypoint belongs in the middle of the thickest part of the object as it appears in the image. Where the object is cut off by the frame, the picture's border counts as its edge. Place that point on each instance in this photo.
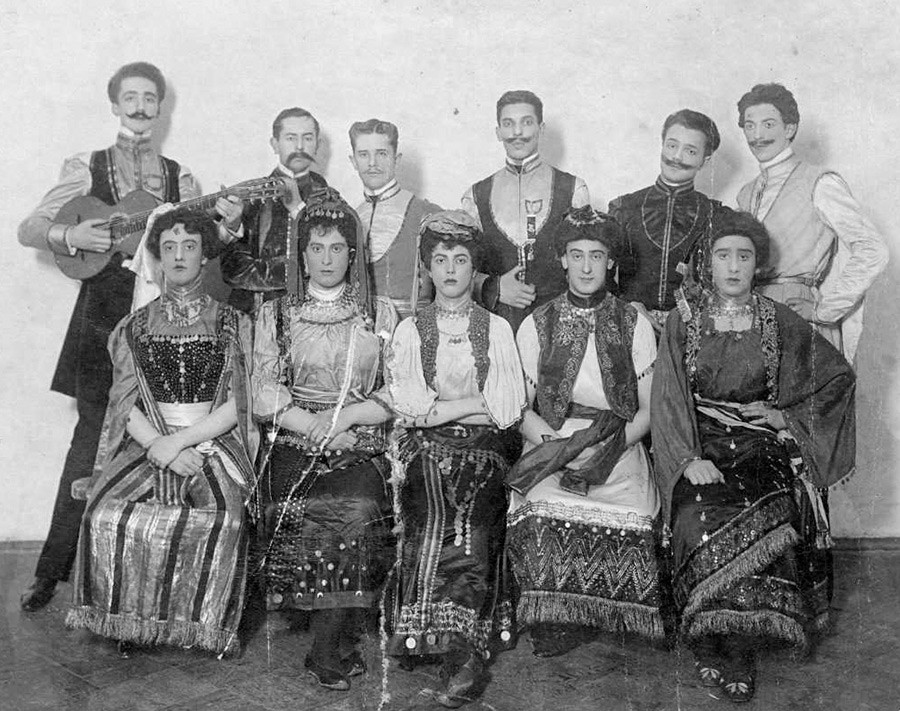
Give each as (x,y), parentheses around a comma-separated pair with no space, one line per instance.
(59,550)
(327,627)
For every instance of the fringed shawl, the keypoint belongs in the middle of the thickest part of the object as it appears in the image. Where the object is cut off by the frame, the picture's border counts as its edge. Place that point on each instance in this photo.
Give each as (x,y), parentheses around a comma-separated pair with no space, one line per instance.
(815,392)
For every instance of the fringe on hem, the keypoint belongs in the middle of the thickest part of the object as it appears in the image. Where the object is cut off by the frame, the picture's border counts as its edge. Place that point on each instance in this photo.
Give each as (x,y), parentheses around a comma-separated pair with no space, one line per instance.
(756,558)
(148,631)
(760,624)
(590,611)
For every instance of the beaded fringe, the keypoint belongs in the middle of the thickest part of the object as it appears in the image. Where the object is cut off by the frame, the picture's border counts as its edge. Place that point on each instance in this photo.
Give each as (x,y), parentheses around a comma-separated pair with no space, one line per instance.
(144,631)
(761,624)
(756,558)
(590,611)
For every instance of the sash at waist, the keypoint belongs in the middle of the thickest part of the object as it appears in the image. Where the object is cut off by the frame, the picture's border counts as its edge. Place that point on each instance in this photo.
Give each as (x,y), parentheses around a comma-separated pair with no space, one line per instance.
(184,414)
(805,280)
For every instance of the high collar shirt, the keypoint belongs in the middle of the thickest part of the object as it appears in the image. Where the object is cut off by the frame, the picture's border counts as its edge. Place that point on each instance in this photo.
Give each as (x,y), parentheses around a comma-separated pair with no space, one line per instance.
(519,191)
(382,214)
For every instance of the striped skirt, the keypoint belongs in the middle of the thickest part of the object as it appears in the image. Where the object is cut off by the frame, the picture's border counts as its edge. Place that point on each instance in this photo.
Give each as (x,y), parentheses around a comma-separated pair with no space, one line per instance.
(162,559)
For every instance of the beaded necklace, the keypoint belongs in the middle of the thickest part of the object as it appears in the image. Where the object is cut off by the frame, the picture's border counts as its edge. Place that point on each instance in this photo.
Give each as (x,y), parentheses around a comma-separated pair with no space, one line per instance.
(182,305)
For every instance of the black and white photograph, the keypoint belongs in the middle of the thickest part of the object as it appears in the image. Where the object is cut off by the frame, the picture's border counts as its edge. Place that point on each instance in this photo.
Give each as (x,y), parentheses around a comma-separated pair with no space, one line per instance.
(399,356)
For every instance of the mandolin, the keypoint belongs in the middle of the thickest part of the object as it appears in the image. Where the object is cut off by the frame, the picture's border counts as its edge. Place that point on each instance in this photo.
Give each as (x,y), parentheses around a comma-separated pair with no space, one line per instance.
(127,219)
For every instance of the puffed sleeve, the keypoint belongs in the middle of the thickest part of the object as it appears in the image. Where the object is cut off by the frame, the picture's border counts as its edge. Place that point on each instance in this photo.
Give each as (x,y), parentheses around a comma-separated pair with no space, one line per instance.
(643,347)
(862,253)
(122,395)
(270,373)
(529,351)
(581,196)
(410,394)
(504,388)
(468,204)
(74,181)
(386,319)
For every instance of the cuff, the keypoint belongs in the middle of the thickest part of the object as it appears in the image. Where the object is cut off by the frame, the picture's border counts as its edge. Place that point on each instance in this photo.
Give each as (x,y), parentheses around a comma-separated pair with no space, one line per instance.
(228,235)
(57,239)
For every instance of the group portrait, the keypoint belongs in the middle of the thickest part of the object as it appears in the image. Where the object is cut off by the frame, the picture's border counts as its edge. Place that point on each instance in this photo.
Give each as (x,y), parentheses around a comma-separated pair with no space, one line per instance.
(379,373)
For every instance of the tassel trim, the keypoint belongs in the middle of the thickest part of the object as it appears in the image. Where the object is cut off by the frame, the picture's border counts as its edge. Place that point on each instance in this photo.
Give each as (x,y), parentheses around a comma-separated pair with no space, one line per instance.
(148,631)
(537,606)
(759,624)
(756,558)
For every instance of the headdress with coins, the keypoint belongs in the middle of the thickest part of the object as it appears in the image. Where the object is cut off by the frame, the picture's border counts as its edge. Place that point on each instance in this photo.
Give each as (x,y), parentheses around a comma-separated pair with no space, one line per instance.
(326,207)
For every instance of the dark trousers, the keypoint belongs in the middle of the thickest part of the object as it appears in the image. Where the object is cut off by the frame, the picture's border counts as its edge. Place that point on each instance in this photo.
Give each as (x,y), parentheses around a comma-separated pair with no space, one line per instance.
(336,634)
(61,545)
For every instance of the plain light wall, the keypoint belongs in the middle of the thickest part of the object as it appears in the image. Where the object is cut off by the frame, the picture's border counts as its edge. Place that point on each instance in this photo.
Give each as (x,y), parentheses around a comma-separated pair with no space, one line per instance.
(608,73)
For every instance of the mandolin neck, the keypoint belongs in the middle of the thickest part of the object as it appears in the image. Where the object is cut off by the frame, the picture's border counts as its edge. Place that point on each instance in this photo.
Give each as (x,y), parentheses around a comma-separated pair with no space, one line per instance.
(123,226)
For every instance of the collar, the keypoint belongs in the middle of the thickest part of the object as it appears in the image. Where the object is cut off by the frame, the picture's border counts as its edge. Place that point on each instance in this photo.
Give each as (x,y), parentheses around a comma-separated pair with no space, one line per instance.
(290,173)
(780,158)
(586,302)
(183,305)
(320,293)
(129,139)
(527,165)
(673,190)
(385,192)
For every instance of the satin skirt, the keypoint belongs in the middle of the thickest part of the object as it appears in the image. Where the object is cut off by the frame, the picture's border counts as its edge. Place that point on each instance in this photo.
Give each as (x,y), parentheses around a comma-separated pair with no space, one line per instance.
(745,564)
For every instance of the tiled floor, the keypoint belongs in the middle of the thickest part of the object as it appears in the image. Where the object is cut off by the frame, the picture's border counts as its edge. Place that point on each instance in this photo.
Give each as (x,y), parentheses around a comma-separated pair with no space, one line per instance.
(45,666)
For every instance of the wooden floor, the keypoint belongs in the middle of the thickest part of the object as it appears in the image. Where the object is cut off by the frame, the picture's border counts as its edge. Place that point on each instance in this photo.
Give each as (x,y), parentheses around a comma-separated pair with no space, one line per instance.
(45,666)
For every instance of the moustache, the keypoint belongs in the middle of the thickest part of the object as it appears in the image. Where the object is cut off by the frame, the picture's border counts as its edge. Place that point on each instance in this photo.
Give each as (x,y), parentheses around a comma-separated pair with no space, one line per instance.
(139,114)
(676,164)
(515,139)
(301,154)
(760,143)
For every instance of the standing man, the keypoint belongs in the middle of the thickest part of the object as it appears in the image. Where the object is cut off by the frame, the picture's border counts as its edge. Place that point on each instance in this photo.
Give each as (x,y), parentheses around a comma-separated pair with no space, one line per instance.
(84,371)
(825,252)
(255,265)
(519,208)
(391,216)
(663,222)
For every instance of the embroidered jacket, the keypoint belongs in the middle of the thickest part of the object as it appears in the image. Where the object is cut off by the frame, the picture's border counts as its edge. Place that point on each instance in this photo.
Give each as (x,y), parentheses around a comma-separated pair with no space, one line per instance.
(662,225)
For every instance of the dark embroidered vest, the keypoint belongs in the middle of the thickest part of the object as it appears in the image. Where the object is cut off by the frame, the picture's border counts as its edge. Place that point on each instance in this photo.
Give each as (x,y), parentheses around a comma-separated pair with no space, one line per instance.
(502,255)
(103,180)
(563,331)
(479,338)
(84,370)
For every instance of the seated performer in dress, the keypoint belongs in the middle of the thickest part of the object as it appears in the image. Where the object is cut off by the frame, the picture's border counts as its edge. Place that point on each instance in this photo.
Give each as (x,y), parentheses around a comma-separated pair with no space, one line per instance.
(753,416)
(323,499)
(456,384)
(585,477)
(162,548)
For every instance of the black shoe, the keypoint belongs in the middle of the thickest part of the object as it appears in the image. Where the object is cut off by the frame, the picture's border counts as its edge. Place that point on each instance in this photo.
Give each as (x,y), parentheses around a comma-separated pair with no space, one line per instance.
(354,665)
(463,686)
(329,678)
(552,640)
(738,682)
(38,594)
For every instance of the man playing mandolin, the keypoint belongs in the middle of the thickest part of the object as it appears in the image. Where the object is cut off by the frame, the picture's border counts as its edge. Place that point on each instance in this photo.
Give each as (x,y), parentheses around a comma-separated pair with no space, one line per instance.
(84,370)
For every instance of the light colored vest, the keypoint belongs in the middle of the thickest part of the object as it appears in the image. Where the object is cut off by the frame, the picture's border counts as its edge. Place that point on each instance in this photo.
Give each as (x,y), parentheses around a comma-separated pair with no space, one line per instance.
(803,247)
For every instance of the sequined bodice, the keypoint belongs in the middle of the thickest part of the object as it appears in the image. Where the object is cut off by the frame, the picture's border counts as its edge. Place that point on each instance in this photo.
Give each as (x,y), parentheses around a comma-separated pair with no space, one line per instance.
(181,368)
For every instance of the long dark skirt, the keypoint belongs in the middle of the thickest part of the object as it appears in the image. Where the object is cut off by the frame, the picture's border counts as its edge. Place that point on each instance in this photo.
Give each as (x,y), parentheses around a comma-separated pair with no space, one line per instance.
(451,593)
(326,528)
(745,565)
